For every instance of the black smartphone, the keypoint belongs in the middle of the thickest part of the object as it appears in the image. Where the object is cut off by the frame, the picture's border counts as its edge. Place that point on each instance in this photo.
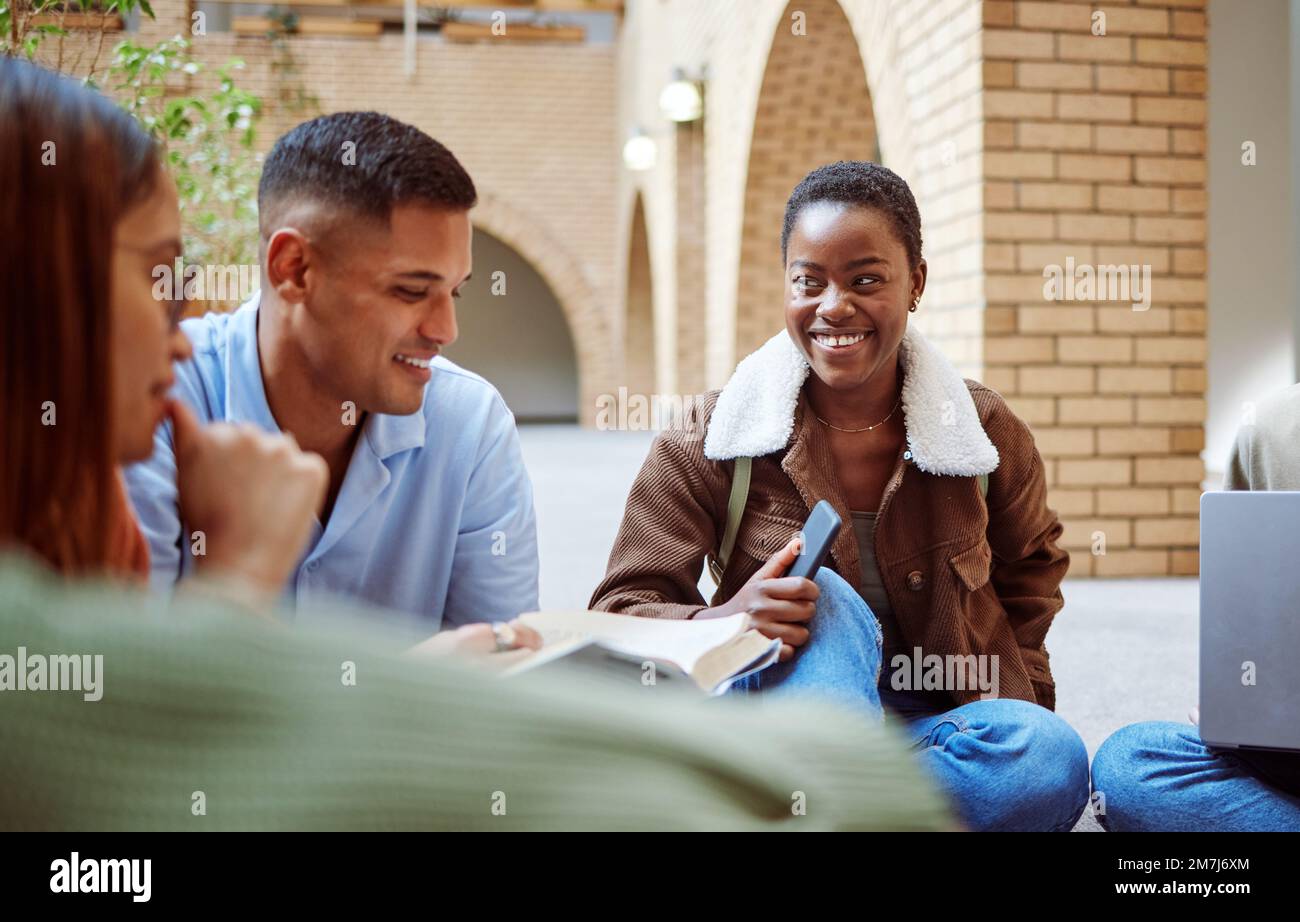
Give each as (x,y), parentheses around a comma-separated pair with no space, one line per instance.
(818,534)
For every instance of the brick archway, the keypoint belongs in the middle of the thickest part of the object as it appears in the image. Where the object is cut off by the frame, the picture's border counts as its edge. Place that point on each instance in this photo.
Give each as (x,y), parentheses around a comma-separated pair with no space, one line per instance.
(586,314)
(813,107)
(639,322)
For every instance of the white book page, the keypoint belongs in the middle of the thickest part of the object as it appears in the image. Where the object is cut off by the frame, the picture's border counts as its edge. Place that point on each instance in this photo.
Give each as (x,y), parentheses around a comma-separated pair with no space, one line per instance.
(679,642)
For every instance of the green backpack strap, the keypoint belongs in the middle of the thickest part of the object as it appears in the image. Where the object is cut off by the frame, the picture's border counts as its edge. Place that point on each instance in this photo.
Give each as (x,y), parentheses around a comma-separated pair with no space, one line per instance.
(735,512)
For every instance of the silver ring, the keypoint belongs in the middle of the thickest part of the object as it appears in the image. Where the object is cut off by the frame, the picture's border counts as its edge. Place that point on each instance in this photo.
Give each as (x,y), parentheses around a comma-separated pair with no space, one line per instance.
(505,635)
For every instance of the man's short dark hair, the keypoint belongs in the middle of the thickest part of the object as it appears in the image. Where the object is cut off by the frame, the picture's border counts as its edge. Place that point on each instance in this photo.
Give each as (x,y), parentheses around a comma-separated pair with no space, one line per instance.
(363,162)
(864,184)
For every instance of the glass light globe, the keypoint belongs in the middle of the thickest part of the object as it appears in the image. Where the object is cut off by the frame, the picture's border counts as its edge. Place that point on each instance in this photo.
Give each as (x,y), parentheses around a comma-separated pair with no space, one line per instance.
(639,152)
(681,101)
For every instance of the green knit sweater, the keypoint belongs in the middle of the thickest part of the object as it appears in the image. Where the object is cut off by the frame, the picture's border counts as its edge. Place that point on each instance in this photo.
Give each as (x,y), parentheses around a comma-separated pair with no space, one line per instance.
(211,719)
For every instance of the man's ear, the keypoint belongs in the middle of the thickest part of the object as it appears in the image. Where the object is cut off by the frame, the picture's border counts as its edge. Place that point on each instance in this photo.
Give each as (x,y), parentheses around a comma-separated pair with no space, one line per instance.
(288,259)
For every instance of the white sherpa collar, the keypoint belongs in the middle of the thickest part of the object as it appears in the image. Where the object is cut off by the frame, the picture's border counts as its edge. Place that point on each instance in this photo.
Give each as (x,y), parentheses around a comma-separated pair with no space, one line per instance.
(755,412)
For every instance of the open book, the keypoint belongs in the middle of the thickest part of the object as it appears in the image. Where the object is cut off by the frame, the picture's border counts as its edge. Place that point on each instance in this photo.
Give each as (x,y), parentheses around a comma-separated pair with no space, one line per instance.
(711,654)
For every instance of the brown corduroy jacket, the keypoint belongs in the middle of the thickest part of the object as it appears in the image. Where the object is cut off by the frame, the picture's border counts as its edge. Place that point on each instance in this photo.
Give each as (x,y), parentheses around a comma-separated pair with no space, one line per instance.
(965,573)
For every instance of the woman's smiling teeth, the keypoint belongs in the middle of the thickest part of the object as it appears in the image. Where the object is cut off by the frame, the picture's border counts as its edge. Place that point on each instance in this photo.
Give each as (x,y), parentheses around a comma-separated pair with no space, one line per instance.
(418,363)
(840,339)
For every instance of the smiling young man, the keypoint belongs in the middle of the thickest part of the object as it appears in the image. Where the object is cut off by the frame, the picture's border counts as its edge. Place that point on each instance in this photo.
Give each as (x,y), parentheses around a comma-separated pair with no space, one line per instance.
(365,244)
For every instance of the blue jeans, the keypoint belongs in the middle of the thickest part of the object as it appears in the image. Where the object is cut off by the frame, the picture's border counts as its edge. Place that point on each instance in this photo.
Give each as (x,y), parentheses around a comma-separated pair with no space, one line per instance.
(841,660)
(1159,775)
(1005,764)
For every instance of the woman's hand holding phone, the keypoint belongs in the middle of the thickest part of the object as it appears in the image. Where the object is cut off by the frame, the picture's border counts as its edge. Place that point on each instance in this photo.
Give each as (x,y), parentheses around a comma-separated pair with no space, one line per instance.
(781,606)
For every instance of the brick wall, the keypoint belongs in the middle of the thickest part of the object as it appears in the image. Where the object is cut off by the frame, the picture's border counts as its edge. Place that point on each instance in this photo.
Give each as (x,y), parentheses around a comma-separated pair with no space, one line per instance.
(534,124)
(639,322)
(1095,151)
(922,63)
(690,187)
(813,108)
(1028,140)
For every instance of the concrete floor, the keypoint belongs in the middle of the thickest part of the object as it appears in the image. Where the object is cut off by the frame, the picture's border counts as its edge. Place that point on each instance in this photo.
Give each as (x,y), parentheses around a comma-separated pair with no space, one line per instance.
(1122,650)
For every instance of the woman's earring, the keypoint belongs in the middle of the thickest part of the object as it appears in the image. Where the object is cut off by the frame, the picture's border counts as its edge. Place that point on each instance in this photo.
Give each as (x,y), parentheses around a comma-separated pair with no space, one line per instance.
(915,303)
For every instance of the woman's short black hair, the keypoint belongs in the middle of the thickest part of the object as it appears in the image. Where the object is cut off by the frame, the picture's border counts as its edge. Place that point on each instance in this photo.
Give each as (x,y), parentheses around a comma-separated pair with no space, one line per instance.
(862,183)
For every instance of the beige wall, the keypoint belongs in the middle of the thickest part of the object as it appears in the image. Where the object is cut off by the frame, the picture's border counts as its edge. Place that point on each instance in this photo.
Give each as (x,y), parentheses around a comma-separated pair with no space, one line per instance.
(1251,230)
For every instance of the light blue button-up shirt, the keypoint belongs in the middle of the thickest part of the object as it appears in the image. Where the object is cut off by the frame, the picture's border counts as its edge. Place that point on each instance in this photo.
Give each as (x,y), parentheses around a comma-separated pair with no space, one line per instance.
(434,519)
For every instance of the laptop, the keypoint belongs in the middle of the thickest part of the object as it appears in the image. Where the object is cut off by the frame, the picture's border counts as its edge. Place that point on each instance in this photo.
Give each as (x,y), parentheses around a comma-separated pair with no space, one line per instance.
(1250,619)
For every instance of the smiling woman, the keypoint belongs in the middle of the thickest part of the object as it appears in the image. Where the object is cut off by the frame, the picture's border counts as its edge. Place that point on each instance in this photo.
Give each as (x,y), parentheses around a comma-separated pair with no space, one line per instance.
(851,240)
(952,552)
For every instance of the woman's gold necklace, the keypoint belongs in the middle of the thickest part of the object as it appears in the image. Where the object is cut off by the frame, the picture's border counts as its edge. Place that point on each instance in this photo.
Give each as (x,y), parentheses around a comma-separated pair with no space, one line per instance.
(897,403)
